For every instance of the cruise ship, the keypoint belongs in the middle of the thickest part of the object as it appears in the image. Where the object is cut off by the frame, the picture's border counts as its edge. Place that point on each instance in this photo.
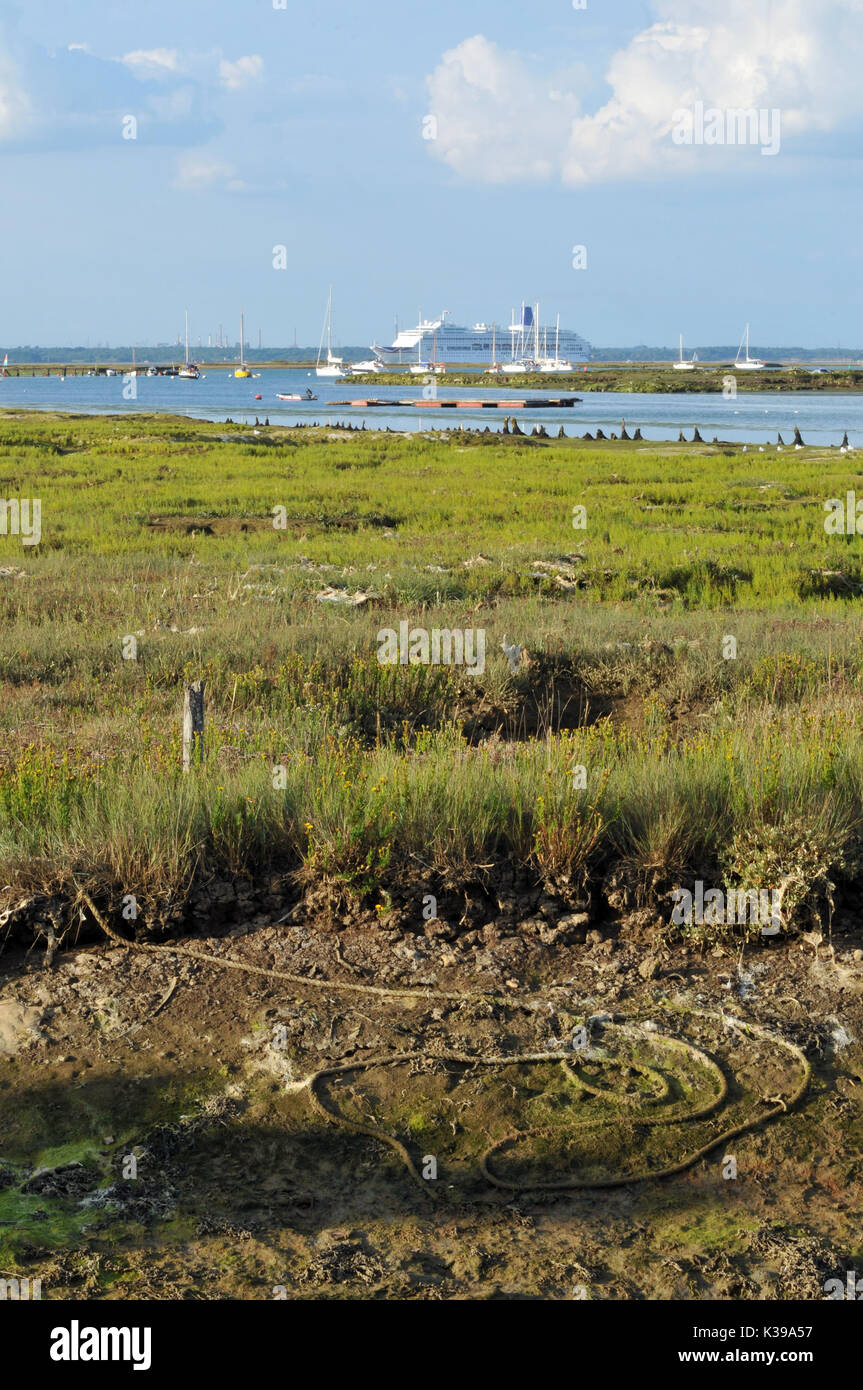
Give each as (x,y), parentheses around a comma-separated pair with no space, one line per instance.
(523,345)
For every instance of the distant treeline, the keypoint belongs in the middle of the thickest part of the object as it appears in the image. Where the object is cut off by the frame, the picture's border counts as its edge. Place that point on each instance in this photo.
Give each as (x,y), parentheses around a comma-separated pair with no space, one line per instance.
(161,355)
(164,355)
(726,353)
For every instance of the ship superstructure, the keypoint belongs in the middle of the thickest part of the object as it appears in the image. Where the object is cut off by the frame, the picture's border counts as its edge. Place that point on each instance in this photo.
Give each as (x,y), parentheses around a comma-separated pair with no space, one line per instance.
(441,342)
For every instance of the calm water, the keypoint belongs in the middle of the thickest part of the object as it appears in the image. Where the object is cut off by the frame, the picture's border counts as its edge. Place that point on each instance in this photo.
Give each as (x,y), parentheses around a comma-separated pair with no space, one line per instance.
(755,417)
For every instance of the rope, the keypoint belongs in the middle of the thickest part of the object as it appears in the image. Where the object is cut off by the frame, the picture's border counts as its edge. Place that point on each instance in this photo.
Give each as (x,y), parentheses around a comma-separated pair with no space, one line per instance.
(778,1107)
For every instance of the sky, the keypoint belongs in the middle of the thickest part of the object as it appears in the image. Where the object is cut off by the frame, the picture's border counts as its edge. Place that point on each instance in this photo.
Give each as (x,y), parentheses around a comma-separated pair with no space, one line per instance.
(447,155)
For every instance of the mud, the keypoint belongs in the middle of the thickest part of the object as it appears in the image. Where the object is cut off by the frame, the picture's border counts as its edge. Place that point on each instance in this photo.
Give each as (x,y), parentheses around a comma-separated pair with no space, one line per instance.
(157,1140)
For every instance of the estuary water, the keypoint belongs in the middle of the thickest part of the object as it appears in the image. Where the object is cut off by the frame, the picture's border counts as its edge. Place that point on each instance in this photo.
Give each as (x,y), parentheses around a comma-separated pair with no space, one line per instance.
(753,417)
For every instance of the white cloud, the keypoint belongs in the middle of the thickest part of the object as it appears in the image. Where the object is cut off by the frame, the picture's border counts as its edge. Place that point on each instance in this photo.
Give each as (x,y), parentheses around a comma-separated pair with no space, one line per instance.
(16,109)
(195,173)
(241,73)
(494,117)
(500,121)
(152,62)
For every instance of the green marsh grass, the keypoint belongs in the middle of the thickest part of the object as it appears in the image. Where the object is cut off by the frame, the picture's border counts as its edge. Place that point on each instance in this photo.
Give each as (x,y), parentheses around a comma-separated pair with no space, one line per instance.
(162,529)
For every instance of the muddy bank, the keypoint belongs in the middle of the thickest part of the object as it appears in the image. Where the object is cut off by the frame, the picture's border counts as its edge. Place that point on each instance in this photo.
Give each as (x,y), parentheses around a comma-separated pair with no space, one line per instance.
(157,1138)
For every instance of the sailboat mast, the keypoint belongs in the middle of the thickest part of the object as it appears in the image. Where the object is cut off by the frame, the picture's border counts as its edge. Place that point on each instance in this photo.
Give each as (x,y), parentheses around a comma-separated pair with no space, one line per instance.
(242,340)
(187,337)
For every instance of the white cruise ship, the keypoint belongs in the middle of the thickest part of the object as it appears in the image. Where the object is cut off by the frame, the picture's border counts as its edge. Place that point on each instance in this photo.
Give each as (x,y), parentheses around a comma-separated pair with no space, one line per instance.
(441,342)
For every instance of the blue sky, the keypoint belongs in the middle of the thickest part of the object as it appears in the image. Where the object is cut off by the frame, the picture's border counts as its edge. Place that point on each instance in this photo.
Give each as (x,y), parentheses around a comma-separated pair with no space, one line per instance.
(304,127)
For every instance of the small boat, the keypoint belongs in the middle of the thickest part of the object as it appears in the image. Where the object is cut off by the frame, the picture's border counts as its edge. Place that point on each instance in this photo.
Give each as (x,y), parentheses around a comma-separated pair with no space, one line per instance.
(556,363)
(748,364)
(242,370)
(683,365)
(188,370)
(335,366)
(306,396)
(371,368)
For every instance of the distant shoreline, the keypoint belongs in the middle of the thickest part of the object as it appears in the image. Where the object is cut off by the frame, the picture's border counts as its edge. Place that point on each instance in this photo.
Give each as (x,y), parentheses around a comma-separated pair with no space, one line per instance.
(656,378)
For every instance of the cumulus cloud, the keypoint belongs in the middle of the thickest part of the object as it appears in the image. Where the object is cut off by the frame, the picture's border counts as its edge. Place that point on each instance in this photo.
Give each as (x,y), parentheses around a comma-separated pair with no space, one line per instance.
(496,118)
(72,99)
(499,120)
(196,173)
(241,73)
(152,62)
(16,112)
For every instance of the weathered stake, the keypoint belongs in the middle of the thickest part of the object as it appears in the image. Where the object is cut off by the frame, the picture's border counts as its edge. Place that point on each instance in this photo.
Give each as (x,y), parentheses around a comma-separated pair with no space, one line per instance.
(193,723)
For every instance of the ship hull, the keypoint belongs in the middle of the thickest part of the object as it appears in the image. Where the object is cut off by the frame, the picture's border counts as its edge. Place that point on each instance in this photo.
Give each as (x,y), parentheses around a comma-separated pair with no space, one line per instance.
(448,344)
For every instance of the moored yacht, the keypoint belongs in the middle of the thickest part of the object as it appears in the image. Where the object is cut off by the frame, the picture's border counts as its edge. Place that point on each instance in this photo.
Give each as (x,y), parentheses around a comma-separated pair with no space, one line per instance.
(748,364)
(682,365)
(188,369)
(242,370)
(334,367)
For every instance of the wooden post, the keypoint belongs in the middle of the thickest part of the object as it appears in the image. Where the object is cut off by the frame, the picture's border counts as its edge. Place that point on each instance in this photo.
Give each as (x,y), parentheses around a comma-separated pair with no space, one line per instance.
(193,723)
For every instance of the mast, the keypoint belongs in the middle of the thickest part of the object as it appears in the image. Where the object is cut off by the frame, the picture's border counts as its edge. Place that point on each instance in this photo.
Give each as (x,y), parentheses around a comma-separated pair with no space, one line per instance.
(557,341)
(323,331)
(187,337)
(242,340)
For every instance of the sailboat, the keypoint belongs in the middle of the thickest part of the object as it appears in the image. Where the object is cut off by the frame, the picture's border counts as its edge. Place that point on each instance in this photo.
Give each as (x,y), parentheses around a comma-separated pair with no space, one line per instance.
(494,365)
(5,365)
(242,370)
(335,366)
(556,363)
(188,369)
(748,364)
(422,367)
(683,365)
(419,368)
(518,365)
